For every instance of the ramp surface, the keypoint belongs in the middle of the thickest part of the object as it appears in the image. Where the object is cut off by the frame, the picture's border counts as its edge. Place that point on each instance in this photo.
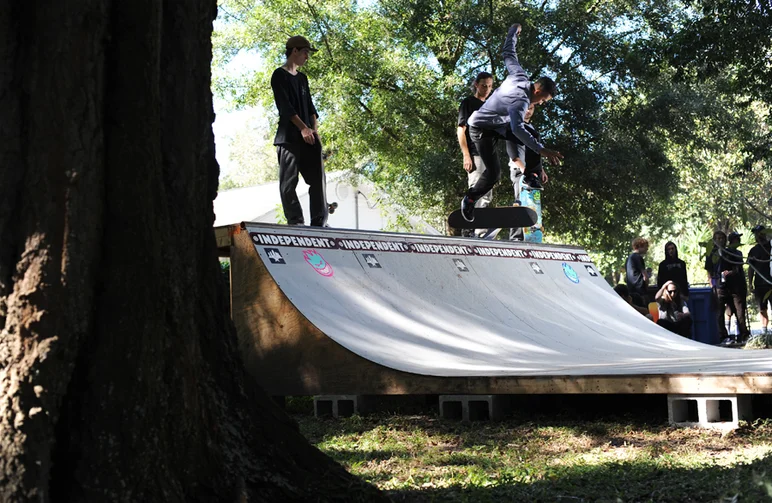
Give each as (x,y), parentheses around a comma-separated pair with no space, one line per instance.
(451,307)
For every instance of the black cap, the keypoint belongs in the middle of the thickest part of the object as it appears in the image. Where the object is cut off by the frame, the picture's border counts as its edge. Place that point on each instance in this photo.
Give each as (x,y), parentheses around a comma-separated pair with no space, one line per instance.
(733,236)
(758,228)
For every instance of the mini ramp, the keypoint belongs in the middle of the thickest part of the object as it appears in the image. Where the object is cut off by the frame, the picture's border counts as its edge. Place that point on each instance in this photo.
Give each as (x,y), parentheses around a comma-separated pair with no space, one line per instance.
(325,311)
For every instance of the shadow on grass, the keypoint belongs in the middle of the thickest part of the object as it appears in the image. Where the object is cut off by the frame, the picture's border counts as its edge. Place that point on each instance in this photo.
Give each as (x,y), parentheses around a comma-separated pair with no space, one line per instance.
(617,482)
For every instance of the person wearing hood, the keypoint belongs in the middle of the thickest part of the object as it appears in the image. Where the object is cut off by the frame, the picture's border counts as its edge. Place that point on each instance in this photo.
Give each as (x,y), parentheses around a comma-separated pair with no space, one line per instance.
(673,269)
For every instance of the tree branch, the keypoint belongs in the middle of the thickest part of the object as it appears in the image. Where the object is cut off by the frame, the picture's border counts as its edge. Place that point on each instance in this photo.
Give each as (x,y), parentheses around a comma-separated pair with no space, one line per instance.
(754,208)
(566,35)
(388,130)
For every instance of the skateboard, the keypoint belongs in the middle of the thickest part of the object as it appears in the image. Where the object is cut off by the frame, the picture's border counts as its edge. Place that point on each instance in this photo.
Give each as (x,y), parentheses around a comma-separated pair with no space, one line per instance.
(492,218)
(531,198)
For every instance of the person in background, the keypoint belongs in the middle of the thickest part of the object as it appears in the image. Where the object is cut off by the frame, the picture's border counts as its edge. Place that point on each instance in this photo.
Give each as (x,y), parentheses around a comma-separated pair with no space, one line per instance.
(623,292)
(724,265)
(635,269)
(759,276)
(673,313)
(673,269)
(473,165)
(524,162)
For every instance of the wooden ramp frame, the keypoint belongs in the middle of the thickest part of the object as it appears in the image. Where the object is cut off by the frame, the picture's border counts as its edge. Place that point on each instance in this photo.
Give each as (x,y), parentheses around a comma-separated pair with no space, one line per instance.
(325,311)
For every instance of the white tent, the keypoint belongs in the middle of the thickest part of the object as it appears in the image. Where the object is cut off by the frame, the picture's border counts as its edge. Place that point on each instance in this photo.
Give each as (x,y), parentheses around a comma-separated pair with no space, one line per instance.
(360,206)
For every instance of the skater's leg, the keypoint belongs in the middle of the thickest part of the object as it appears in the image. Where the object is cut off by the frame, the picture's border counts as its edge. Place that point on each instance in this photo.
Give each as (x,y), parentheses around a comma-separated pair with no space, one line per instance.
(486,144)
(288,182)
(312,170)
(485,200)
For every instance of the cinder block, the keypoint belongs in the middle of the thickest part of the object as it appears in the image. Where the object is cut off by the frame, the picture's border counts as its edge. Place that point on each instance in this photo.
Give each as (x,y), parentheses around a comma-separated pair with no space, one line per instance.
(708,411)
(473,407)
(336,405)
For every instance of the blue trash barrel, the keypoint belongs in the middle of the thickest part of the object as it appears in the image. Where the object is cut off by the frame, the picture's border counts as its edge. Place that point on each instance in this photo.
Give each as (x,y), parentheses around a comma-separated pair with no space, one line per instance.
(704,328)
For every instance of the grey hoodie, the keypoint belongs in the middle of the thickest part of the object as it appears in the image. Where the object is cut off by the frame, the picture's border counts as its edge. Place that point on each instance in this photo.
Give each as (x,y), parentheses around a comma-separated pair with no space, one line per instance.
(510,102)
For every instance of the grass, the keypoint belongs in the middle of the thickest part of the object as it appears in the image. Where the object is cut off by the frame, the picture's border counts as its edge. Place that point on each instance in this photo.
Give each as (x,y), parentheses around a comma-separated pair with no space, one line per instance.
(760,341)
(421,458)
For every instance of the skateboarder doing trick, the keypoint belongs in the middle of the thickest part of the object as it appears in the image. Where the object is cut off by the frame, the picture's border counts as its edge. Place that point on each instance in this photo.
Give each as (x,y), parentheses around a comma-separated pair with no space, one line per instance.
(502,116)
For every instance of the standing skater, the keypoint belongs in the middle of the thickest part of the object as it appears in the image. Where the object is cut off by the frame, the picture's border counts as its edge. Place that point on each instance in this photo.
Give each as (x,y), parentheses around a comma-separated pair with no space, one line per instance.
(503,116)
(482,86)
(297,140)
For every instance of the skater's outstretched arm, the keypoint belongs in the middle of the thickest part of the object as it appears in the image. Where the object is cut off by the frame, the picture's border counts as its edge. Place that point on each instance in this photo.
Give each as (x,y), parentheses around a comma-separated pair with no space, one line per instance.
(517,113)
(510,54)
(517,123)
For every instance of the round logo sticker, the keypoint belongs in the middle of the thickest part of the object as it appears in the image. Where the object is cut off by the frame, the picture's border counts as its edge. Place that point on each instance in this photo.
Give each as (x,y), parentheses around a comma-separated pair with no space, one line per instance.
(317,262)
(570,273)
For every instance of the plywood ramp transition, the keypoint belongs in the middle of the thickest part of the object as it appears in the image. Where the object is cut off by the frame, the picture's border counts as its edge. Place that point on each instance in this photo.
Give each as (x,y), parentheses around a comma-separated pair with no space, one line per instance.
(326,311)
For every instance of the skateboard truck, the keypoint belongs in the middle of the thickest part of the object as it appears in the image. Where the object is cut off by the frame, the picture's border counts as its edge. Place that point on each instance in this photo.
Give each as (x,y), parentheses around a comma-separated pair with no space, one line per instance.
(332,207)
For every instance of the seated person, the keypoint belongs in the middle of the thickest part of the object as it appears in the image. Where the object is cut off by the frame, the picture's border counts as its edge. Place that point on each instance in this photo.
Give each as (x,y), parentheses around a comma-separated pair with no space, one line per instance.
(673,313)
(623,292)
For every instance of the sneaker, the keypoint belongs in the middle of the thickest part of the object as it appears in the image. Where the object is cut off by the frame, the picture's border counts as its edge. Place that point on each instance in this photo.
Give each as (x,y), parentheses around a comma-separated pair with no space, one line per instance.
(531,181)
(467,209)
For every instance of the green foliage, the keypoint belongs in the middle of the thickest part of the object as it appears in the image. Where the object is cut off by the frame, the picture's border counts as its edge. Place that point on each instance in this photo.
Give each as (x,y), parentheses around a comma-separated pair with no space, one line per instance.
(252,156)
(663,111)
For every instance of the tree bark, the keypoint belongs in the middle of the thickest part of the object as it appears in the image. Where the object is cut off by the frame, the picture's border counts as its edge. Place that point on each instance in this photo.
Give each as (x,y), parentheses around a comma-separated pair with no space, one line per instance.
(119,373)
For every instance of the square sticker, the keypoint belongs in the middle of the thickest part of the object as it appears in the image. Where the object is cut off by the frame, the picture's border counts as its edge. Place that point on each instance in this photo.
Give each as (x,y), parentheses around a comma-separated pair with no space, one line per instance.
(274,255)
(371,261)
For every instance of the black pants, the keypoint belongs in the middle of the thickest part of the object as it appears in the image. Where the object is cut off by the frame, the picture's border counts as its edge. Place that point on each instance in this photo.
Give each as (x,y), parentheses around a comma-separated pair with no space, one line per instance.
(682,327)
(485,140)
(726,297)
(306,160)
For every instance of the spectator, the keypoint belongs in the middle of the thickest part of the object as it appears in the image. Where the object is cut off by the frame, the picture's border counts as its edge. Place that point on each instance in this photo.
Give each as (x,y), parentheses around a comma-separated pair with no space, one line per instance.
(759,277)
(724,265)
(473,165)
(635,267)
(524,162)
(623,292)
(673,269)
(673,313)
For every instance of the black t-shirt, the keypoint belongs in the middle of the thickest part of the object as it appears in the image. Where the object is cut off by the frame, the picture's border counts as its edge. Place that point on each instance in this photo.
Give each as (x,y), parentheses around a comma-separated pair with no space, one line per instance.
(728,260)
(673,270)
(635,267)
(293,97)
(758,258)
(468,106)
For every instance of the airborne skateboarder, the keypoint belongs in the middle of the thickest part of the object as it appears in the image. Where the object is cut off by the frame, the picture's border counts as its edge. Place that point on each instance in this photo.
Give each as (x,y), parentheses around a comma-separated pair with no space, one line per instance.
(502,116)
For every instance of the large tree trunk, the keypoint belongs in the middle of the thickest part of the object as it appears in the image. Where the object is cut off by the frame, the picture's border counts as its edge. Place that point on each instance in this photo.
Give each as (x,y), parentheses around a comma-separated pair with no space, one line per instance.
(119,373)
